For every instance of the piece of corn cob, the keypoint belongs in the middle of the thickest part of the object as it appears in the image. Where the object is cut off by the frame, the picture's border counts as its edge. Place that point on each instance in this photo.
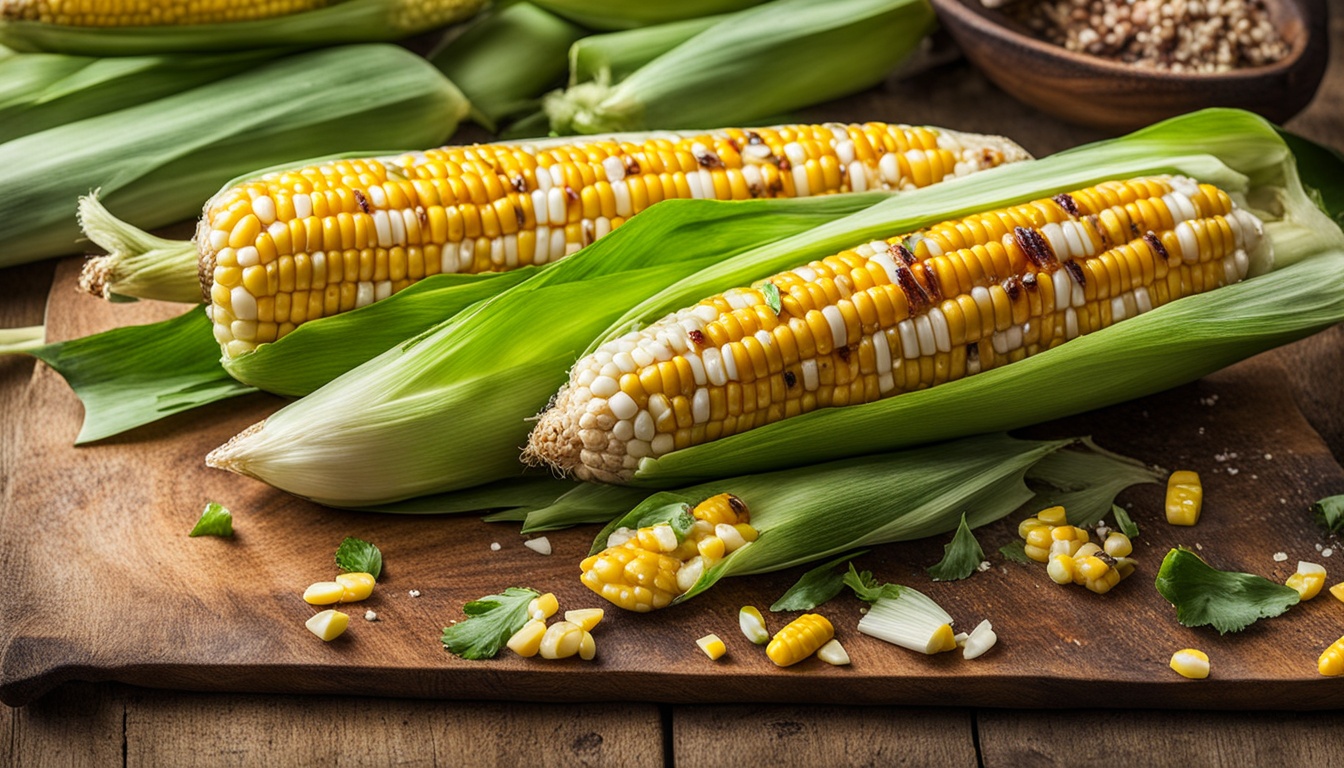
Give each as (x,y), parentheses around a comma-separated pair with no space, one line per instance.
(297,245)
(646,569)
(117,13)
(893,316)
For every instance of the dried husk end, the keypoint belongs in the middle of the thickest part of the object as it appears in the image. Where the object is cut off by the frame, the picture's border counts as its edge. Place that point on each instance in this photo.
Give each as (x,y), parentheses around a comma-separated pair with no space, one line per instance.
(229,456)
(555,443)
(137,265)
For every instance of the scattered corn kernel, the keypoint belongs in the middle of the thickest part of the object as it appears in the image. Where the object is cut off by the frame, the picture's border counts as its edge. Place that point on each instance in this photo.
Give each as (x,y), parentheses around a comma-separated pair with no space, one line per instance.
(753,624)
(1092,567)
(712,646)
(1185,497)
(1060,568)
(801,638)
(1118,545)
(943,639)
(1040,536)
(1190,663)
(541,545)
(833,653)
(1024,527)
(561,640)
(1052,516)
(1124,566)
(324,593)
(1331,662)
(1039,554)
(543,607)
(1308,580)
(981,639)
(585,618)
(1338,591)
(587,646)
(1105,582)
(328,624)
(527,640)
(357,586)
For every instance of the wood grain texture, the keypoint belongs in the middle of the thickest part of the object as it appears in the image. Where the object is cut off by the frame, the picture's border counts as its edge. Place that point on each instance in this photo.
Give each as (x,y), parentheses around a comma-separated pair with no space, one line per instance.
(77,725)
(709,736)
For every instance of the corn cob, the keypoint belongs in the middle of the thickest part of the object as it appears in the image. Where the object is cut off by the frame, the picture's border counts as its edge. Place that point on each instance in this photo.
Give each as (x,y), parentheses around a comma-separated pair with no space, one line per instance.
(893,316)
(117,13)
(301,244)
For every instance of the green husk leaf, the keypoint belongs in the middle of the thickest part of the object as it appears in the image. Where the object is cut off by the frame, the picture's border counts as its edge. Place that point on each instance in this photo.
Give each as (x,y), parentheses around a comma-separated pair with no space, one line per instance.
(1226,600)
(1014,551)
(1329,513)
(507,59)
(616,14)
(137,265)
(507,496)
(347,21)
(961,557)
(815,587)
(215,520)
(1124,522)
(850,44)
(582,503)
(490,622)
(614,56)
(359,556)
(1086,483)
(867,588)
(156,162)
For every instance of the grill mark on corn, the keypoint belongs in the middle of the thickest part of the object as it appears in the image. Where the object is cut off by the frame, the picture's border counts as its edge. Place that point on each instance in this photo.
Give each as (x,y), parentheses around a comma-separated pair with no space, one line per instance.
(860,325)
(362,201)
(1066,201)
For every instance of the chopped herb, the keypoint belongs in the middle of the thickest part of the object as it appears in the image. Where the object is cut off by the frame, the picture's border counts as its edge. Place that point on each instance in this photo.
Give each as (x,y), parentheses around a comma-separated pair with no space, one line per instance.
(866,587)
(216,520)
(961,557)
(815,587)
(359,556)
(1015,551)
(1127,526)
(677,515)
(490,622)
(771,293)
(1227,600)
(1330,513)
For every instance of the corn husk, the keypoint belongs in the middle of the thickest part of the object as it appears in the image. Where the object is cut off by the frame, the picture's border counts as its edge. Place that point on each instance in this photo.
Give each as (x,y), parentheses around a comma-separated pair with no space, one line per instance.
(447,411)
(622,14)
(617,55)
(16,340)
(344,21)
(155,162)
(747,67)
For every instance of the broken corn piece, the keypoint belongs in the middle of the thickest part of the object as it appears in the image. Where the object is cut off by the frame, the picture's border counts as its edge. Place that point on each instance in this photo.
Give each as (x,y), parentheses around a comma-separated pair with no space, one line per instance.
(328,624)
(587,647)
(1308,580)
(585,618)
(324,593)
(543,607)
(712,646)
(833,653)
(1185,498)
(527,640)
(753,625)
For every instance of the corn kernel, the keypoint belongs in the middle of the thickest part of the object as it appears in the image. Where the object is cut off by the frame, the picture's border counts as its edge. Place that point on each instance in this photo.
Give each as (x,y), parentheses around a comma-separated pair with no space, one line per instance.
(1308,580)
(943,639)
(1190,663)
(712,646)
(751,622)
(587,647)
(1093,567)
(1052,516)
(328,624)
(1025,527)
(1331,662)
(1060,568)
(1338,591)
(324,593)
(357,586)
(1038,554)
(1040,537)
(527,640)
(833,653)
(1103,583)
(561,640)
(1118,545)
(799,639)
(1185,497)
(542,607)
(747,532)
(585,618)
(981,639)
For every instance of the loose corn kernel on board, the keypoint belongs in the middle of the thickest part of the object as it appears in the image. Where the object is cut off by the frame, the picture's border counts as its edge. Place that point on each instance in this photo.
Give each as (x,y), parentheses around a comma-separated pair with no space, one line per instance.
(104,584)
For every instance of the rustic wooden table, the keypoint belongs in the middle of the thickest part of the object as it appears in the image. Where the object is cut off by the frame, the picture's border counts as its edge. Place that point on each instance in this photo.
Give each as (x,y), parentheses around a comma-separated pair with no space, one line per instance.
(105,724)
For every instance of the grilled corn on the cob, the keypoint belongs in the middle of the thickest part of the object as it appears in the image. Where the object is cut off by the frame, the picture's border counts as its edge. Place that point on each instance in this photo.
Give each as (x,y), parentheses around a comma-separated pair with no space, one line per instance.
(893,316)
(296,245)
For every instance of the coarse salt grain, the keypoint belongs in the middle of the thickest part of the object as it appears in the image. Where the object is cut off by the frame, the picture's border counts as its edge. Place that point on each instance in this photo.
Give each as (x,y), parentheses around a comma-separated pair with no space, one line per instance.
(494,546)
(1327,552)
(370,616)
(1279,557)
(413,593)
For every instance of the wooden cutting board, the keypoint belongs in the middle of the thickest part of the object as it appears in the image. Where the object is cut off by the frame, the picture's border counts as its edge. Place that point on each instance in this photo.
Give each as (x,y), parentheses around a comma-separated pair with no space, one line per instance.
(104,584)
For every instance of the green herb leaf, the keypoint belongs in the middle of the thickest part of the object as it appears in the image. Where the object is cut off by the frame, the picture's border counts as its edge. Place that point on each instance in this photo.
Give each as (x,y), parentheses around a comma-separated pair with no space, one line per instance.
(1127,526)
(772,297)
(359,556)
(815,587)
(216,520)
(1227,600)
(960,557)
(491,621)
(1329,512)
(866,587)
(1015,551)
(678,515)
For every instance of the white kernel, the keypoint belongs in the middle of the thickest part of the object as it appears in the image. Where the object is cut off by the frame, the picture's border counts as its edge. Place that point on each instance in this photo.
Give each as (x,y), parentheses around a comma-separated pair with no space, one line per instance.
(614,168)
(303,206)
(714,367)
(942,336)
(924,333)
(243,303)
(382,227)
(858,176)
(363,293)
(729,362)
(662,444)
(644,427)
(909,339)
(700,406)
(377,197)
(622,406)
(731,537)
(369,615)
(811,379)
(890,168)
(541,545)
(556,210)
(839,336)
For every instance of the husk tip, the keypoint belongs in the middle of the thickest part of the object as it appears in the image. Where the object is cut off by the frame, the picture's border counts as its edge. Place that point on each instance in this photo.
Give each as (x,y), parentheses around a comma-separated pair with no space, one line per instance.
(231,455)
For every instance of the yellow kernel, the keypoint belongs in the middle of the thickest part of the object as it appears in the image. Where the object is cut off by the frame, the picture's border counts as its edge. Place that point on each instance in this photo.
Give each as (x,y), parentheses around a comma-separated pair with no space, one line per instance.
(585,618)
(712,646)
(560,641)
(1093,567)
(752,623)
(1118,545)
(1060,568)
(543,607)
(1185,497)
(1190,663)
(357,586)
(323,593)
(1052,516)
(1338,591)
(1331,662)
(1308,580)
(587,647)
(1039,536)
(1026,526)
(1039,554)
(328,624)
(748,533)
(527,640)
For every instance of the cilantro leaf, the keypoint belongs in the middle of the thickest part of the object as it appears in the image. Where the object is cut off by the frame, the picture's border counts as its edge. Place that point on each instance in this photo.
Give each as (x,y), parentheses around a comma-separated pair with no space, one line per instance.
(491,621)
(866,587)
(1127,526)
(1227,600)
(815,587)
(1015,551)
(359,556)
(1330,513)
(216,520)
(961,557)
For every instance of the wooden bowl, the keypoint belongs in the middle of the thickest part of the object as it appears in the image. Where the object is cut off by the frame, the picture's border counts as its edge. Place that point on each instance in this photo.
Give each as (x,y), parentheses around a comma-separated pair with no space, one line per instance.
(1098,92)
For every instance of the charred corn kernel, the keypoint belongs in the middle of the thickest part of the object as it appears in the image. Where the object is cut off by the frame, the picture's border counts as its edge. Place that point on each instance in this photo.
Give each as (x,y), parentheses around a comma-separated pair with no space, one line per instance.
(1338,591)
(725,508)
(1036,275)
(561,640)
(324,593)
(1185,497)
(477,205)
(1060,568)
(1190,663)
(1052,516)
(543,607)
(799,639)
(1331,662)
(1308,580)
(328,624)
(712,646)
(833,653)
(527,640)
(1118,544)
(585,618)
(356,586)
(751,622)
(587,647)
